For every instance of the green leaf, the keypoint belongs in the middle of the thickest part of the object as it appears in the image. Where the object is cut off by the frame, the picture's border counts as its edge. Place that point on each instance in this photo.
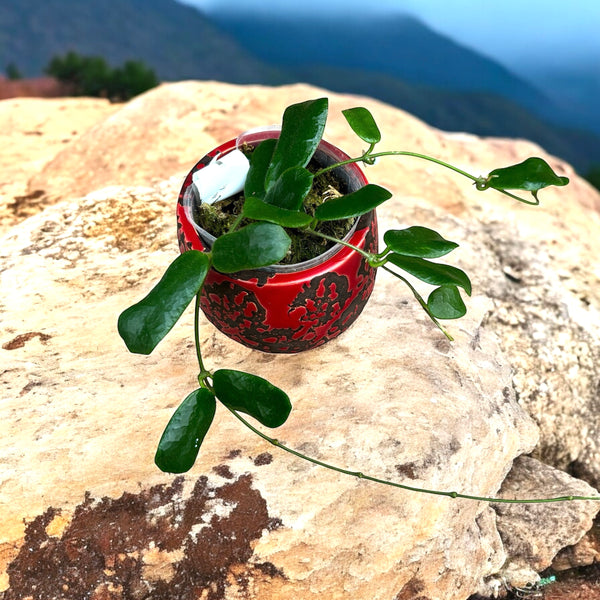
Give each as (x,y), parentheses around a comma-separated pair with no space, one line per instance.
(301,131)
(143,325)
(253,246)
(446,303)
(363,124)
(418,241)
(252,395)
(431,272)
(259,164)
(289,190)
(532,175)
(260,211)
(354,204)
(185,432)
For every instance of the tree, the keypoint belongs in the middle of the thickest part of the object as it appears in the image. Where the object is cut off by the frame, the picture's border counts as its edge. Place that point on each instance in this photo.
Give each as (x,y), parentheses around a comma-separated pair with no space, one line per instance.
(68,68)
(12,72)
(92,76)
(593,176)
(133,78)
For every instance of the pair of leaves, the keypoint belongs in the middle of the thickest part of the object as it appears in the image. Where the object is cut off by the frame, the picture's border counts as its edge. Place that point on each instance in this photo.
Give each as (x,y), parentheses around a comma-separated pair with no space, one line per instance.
(238,391)
(276,186)
(287,191)
(277,174)
(410,250)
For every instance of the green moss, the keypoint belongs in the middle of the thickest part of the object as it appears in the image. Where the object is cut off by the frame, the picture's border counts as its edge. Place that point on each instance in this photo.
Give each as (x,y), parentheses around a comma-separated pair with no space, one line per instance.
(218,218)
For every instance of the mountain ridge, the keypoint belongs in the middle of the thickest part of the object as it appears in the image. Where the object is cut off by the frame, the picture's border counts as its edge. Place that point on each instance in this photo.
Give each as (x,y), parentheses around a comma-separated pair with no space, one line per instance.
(178,41)
(405,48)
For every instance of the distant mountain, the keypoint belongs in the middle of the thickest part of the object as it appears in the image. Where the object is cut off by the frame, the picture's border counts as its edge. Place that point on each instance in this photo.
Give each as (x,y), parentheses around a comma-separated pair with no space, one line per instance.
(574,89)
(397,46)
(398,60)
(177,41)
(401,61)
(481,113)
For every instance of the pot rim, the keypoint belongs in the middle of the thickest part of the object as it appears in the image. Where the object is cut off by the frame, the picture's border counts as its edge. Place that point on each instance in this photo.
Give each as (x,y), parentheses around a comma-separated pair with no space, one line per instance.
(189,196)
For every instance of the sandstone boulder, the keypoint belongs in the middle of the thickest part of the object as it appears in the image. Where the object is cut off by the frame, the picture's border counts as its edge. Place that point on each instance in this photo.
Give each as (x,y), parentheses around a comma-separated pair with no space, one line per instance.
(391,397)
(33,131)
(520,525)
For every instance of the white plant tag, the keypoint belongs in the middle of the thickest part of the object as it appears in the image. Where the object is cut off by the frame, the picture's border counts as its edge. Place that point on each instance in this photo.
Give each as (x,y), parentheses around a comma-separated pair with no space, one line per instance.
(223,177)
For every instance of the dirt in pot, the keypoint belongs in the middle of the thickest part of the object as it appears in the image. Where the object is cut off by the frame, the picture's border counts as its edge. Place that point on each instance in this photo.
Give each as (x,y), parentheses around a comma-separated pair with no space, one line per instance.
(217,218)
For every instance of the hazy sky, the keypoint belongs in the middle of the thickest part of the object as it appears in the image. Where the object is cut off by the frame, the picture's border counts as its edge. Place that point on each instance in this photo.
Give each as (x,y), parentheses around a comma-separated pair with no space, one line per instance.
(508,30)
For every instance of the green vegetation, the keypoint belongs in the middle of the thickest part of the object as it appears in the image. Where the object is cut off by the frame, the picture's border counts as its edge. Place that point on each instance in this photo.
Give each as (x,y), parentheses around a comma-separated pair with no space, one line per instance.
(92,76)
(12,72)
(593,176)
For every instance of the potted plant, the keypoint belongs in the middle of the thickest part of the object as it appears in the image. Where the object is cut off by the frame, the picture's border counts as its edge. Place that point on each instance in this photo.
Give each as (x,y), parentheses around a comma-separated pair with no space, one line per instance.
(257,195)
(319,290)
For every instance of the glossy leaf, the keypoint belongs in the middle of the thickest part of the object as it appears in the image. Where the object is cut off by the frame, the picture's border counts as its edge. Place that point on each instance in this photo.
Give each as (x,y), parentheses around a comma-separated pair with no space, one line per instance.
(143,325)
(260,211)
(363,124)
(418,241)
(253,246)
(290,189)
(431,272)
(354,204)
(185,432)
(252,395)
(301,131)
(532,175)
(446,303)
(259,164)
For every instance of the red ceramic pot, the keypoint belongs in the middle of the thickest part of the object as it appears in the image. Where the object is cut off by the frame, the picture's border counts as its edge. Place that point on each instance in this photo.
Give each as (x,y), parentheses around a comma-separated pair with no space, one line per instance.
(287,308)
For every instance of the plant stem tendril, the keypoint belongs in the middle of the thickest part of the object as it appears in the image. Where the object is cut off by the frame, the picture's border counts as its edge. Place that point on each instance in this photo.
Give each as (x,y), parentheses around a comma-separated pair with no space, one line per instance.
(409,488)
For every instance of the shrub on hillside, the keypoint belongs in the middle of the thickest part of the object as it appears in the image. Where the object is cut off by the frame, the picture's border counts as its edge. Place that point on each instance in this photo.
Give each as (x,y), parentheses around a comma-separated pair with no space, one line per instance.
(12,72)
(593,176)
(93,76)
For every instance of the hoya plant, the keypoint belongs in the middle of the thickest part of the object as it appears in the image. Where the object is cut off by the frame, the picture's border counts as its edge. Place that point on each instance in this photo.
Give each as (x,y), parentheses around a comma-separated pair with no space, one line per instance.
(276,187)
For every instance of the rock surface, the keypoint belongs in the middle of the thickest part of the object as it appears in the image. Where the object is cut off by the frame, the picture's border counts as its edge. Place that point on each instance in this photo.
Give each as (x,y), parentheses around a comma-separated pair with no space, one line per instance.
(33,131)
(520,524)
(81,416)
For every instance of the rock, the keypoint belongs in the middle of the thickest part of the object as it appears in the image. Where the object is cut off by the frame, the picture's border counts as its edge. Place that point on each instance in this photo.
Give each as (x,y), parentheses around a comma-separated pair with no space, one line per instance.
(520,525)
(165,131)
(83,416)
(33,131)
(546,315)
(95,412)
(582,554)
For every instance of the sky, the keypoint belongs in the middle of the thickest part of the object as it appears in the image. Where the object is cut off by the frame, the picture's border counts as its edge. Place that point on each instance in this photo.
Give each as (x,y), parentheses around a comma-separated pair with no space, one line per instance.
(512,31)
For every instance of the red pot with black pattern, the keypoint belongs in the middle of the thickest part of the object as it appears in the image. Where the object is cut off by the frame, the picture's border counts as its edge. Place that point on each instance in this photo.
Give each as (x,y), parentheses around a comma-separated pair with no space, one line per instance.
(294,307)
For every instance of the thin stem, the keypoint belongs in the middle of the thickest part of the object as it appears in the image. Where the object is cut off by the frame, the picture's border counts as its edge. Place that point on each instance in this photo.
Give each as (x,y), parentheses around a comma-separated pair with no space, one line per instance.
(536,203)
(420,300)
(366,255)
(370,157)
(341,163)
(236,223)
(409,488)
(204,373)
(480,182)
(437,161)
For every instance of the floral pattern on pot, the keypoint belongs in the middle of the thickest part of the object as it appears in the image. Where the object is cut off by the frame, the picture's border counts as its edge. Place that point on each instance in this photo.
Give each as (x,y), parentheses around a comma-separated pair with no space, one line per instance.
(296,308)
